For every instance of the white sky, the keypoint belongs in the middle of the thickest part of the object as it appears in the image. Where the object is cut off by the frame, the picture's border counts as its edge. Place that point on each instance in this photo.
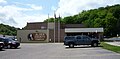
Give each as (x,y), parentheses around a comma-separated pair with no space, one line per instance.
(18,12)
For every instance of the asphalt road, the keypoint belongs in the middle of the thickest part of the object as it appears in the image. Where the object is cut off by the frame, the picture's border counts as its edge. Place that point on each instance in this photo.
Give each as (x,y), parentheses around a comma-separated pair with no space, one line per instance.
(56,51)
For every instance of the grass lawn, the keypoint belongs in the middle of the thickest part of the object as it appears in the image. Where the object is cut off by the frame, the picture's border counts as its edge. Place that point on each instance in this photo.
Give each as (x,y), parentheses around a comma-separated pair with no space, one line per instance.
(110,47)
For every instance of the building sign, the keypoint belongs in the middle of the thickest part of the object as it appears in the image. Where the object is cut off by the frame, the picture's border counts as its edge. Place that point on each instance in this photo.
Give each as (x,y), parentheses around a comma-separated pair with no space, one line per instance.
(37,36)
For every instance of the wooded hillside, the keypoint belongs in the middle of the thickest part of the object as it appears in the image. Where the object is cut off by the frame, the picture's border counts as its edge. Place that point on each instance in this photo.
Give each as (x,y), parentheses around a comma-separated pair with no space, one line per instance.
(107,17)
(8,30)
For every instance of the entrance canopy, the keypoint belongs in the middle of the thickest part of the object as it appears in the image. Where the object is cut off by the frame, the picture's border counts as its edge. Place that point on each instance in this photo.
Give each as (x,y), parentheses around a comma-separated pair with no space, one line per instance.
(77,30)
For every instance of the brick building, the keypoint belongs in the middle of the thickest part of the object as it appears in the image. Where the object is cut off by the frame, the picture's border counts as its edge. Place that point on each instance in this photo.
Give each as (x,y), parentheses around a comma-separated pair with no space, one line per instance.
(55,32)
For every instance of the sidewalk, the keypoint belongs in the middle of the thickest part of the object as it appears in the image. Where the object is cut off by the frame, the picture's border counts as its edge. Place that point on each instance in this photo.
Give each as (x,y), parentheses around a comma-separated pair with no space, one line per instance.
(113,43)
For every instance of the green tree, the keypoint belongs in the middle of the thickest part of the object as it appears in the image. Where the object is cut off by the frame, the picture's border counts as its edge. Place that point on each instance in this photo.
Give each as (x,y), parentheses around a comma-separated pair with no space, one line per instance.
(107,17)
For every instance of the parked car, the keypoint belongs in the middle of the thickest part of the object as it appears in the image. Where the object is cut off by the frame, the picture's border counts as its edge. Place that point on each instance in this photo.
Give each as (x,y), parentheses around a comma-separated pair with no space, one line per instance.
(1,45)
(72,41)
(10,43)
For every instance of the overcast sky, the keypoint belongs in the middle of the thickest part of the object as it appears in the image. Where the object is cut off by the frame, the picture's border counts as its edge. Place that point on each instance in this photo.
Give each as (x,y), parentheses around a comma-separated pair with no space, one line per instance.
(18,12)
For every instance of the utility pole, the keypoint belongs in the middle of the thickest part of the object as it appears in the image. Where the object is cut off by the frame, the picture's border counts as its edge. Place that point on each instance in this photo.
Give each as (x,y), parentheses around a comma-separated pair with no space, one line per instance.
(54,25)
(48,29)
(59,29)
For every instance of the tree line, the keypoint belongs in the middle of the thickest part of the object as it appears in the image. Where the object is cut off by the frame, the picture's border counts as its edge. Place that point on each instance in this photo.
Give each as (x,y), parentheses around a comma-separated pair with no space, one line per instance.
(8,30)
(105,17)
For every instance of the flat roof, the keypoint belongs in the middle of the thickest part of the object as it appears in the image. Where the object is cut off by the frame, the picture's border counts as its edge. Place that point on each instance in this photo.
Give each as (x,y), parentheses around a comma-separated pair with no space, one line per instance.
(74,30)
(74,26)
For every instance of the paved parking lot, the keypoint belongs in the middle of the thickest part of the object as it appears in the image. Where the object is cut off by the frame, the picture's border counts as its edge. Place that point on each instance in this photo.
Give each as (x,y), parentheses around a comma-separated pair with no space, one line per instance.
(56,51)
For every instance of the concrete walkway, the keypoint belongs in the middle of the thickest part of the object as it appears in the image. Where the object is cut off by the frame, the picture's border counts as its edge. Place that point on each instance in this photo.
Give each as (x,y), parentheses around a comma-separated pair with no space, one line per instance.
(114,43)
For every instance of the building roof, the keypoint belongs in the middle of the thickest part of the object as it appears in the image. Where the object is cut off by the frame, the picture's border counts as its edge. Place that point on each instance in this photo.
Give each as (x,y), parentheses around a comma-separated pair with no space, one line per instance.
(74,26)
(74,30)
(35,26)
(68,27)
